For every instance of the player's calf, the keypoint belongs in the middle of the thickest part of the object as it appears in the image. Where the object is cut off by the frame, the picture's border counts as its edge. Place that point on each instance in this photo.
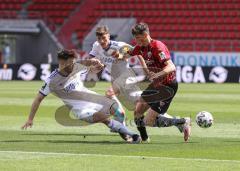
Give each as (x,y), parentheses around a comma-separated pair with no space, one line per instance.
(140,108)
(163,121)
(141,128)
(183,124)
(121,129)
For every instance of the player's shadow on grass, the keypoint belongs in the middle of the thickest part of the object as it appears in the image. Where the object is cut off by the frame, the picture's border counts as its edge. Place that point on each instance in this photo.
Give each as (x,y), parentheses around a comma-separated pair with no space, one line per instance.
(71,134)
(95,142)
(65,141)
(87,142)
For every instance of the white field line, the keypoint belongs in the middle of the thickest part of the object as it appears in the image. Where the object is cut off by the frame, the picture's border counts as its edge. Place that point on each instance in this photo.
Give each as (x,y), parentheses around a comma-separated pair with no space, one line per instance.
(108,155)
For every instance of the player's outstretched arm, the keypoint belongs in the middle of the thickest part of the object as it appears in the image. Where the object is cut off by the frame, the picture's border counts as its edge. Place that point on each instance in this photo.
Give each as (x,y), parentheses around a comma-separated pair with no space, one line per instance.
(35,105)
(89,62)
(94,64)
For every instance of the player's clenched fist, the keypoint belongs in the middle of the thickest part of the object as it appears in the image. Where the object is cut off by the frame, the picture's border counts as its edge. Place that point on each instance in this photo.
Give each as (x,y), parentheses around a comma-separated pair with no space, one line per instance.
(96,65)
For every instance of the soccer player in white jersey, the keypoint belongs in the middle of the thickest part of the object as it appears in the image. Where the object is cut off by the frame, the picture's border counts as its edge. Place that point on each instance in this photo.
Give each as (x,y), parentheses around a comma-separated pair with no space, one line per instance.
(106,50)
(66,84)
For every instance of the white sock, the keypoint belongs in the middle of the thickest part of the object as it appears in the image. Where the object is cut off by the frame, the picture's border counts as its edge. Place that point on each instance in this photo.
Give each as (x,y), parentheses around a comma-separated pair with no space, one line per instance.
(118,127)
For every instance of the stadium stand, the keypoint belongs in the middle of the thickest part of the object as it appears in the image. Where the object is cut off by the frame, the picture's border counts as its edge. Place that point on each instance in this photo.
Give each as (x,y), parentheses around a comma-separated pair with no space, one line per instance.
(9,8)
(186,25)
(56,10)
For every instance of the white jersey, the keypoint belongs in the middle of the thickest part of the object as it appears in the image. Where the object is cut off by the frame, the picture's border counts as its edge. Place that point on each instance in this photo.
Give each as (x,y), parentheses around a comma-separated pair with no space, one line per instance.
(105,55)
(71,91)
(62,85)
(122,76)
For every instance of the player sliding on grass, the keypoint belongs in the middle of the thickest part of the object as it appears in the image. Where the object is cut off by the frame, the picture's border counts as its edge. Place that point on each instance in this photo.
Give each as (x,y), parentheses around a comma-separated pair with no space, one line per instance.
(158,94)
(86,105)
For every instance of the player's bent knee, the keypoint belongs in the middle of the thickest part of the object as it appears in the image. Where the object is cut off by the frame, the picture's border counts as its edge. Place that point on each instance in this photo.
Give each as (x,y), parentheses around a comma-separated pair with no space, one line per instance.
(110,93)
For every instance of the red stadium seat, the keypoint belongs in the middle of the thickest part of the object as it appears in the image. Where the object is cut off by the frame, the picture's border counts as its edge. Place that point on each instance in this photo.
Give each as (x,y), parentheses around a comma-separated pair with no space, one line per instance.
(186,21)
(185,24)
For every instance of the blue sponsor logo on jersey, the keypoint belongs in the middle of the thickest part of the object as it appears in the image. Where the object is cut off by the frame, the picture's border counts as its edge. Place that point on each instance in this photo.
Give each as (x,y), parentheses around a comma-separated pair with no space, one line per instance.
(107,60)
(71,86)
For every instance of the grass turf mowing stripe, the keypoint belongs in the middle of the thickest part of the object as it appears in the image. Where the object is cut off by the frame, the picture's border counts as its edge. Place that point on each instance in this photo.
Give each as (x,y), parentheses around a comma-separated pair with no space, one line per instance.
(109,155)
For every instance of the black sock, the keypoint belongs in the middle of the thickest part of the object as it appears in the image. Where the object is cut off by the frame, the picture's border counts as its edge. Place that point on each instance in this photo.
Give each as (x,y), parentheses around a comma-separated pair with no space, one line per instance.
(141,128)
(143,133)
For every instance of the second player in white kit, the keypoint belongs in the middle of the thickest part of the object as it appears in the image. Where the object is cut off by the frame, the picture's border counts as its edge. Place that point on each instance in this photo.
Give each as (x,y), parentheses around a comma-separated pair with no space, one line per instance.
(86,105)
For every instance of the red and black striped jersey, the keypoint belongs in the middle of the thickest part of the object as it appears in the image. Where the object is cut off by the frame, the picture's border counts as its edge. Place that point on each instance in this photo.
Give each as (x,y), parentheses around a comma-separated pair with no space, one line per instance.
(155,55)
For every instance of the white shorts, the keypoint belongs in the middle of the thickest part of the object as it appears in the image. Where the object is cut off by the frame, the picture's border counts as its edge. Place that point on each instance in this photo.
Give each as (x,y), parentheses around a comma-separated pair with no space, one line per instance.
(85,107)
(129,90)
(86,111)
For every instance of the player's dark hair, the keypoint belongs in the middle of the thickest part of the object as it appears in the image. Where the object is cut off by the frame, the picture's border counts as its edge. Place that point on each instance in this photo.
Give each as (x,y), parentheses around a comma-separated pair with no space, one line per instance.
(101,30)
(66,53)
(140,28)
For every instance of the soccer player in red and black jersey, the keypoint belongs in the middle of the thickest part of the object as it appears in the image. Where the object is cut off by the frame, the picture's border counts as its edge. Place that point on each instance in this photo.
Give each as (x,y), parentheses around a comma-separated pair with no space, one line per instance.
(156,61)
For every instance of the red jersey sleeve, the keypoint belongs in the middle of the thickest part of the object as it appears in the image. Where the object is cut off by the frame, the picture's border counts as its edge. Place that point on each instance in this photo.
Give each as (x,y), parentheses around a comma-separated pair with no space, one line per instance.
(161,52)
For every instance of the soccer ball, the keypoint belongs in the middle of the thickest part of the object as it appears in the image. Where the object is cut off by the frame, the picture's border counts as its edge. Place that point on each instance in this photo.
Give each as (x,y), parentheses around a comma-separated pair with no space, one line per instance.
(204,119)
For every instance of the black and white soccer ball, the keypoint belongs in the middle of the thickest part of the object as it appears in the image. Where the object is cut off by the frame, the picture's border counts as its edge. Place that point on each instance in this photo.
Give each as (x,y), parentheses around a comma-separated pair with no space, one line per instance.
(204,119)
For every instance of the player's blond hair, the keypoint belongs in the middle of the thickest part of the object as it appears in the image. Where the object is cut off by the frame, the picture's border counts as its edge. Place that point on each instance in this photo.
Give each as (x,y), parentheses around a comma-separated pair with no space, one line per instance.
(101,30)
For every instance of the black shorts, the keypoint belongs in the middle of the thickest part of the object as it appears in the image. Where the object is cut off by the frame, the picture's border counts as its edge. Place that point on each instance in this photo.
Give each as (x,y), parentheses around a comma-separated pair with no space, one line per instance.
(159,98)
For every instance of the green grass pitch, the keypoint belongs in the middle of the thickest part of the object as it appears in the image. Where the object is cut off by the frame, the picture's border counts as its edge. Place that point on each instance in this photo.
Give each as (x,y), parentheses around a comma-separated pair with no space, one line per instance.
(50,146)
